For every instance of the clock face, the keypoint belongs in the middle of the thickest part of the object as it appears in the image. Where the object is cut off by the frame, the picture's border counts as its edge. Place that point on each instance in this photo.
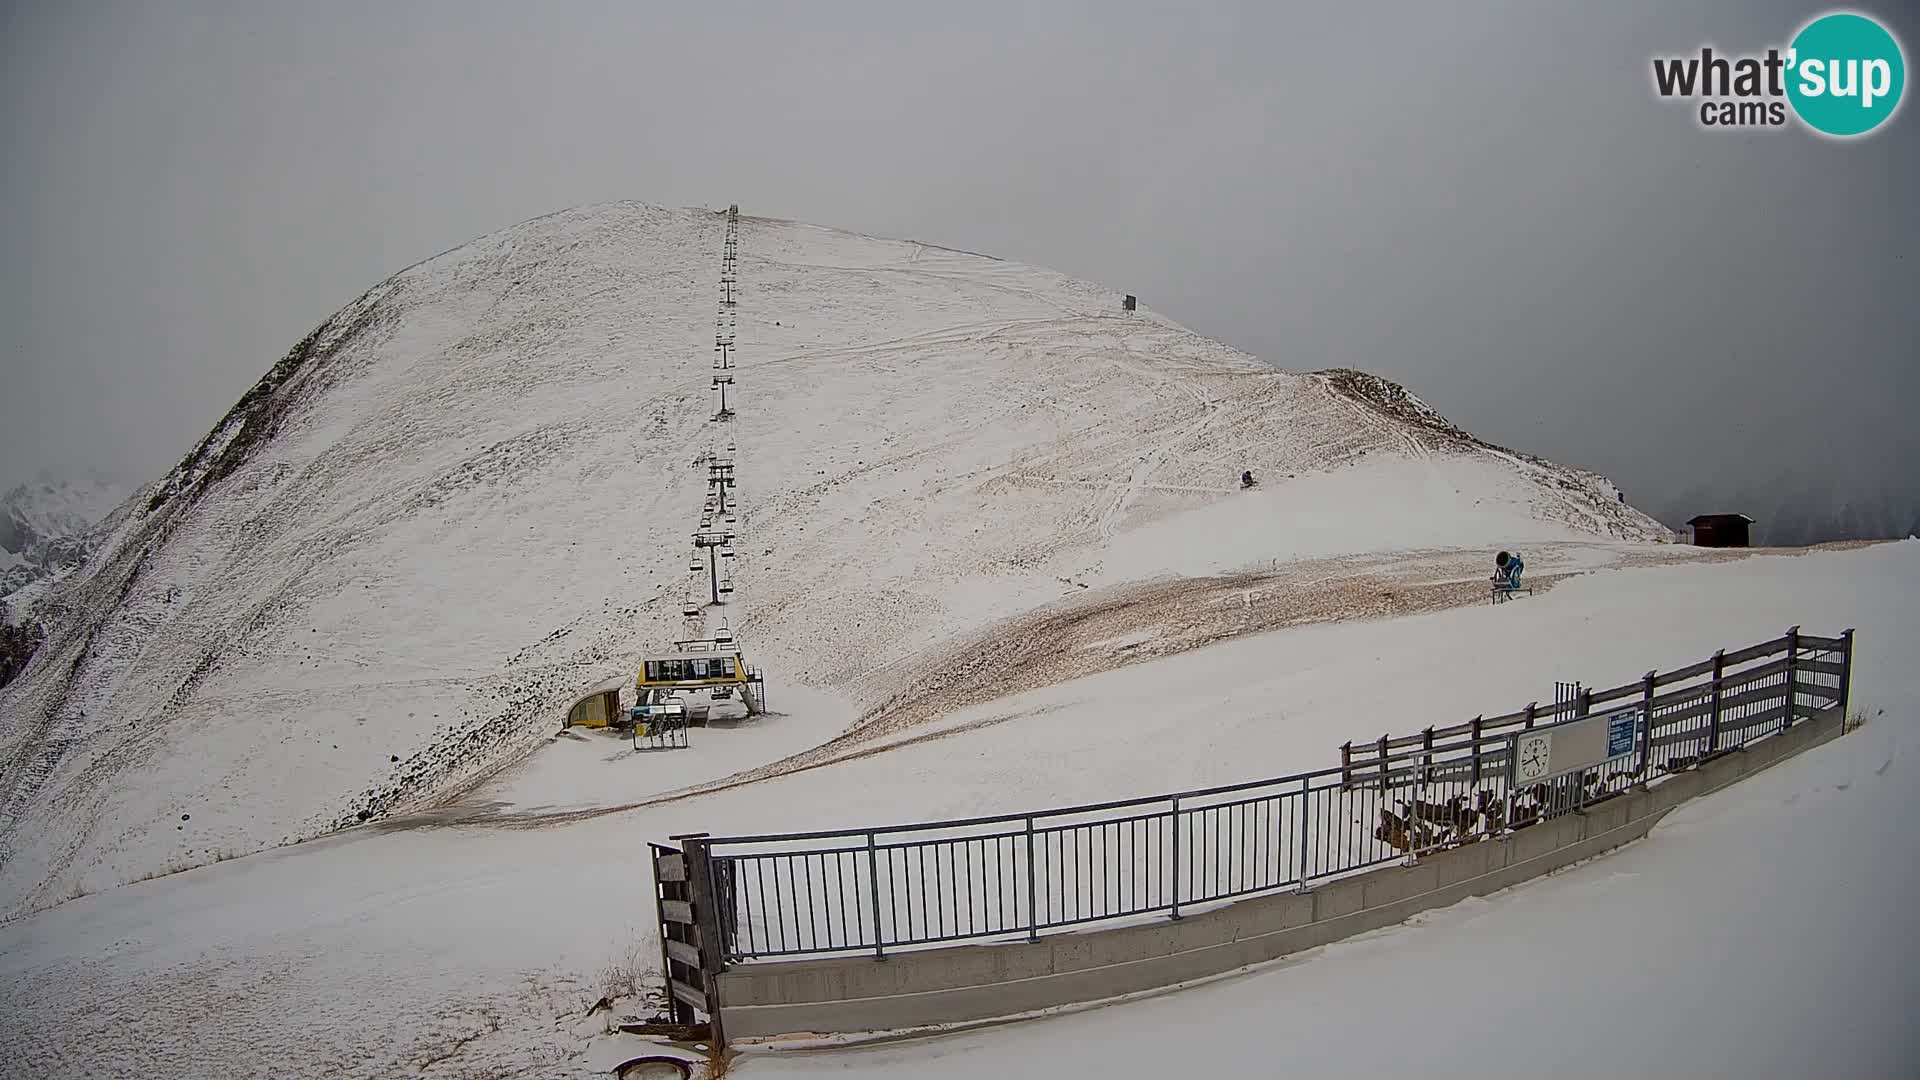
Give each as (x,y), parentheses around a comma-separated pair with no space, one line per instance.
(1533,754)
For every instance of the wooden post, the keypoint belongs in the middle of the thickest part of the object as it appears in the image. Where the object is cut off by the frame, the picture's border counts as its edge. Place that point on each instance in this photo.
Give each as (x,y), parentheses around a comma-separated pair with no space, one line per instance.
(1426,755)
(680,1011)
(1346,765)
(706,917)
(1383,763)
(1476,749)
(1531,705)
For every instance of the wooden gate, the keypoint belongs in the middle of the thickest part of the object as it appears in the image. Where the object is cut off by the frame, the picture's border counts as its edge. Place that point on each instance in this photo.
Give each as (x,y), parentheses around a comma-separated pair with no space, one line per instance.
(692,953)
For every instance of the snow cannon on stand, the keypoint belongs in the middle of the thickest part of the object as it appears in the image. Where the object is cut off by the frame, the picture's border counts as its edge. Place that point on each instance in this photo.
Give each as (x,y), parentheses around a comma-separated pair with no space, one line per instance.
(1507,568)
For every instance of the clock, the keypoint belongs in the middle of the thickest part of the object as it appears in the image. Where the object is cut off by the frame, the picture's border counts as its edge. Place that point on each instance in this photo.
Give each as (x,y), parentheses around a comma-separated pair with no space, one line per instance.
(1533,755)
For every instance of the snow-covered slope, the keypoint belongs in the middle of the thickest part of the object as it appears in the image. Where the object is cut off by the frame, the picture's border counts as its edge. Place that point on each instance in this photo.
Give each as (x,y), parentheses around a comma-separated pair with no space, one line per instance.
(465,498)
(1759,932)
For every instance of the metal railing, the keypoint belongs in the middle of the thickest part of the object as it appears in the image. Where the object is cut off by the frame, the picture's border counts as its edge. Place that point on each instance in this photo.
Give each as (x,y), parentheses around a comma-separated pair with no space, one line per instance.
(1020,875)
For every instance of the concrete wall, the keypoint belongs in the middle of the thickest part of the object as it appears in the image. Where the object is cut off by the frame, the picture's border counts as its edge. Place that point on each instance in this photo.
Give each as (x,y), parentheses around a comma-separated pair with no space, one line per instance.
(983,982)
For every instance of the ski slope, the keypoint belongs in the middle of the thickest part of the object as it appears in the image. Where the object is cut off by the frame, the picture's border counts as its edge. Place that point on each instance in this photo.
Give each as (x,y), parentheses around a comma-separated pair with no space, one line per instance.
(464,500)
(1758,930)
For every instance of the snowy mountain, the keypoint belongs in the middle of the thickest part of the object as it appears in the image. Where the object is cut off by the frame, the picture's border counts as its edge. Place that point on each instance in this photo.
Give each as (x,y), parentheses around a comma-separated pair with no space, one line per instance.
(47,527)
(465,499)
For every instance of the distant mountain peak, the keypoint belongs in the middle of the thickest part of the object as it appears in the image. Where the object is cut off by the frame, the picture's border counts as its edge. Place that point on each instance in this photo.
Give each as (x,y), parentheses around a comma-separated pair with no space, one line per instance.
(48,527)
(464,500)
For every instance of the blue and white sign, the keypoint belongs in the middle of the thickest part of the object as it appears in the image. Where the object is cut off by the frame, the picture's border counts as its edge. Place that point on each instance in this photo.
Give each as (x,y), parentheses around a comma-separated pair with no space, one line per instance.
(1621,728)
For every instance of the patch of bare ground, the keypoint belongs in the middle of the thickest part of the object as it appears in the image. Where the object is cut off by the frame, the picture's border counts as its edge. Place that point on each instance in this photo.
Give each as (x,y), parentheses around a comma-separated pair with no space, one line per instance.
(1085,636)
(1131,624)
(1137,624)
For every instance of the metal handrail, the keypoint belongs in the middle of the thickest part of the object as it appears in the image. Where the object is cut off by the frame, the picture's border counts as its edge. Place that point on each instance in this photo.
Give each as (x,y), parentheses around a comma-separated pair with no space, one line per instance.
(881,887)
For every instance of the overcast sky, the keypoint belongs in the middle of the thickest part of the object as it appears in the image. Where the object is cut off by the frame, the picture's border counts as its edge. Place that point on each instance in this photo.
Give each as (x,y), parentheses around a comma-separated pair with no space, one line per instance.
(1485,202)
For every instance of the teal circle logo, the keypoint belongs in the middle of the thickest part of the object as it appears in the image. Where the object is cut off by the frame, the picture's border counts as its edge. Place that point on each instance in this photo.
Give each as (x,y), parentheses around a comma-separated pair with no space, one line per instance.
(1845,74)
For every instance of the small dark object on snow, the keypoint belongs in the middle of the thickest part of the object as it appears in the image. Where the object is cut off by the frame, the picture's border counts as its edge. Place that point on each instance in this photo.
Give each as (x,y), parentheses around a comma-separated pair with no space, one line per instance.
(363,815)
(185,817)
(1247,480)
(653,1065)
(393,757)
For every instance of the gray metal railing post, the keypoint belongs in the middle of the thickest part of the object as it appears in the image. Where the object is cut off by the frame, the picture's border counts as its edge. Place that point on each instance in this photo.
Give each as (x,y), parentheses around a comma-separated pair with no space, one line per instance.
(1033,910)
(1513,776)
(1713,718)
(1583,705)
(1793,649)
(1646,726)
(1175,862)
(1301,823)
(873,880)
(1417,790)
(1846,675)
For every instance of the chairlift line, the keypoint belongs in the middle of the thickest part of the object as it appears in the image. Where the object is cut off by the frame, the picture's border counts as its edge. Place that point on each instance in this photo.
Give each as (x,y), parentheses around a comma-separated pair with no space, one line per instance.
(712,665)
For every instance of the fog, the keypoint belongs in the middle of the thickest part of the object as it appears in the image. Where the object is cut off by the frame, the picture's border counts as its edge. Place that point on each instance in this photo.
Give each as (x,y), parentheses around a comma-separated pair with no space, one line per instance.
(1485,202)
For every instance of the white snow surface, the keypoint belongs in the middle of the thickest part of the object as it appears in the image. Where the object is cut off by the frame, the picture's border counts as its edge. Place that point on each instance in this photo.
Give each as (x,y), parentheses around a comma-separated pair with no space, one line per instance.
(465,499)
(1759,932)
